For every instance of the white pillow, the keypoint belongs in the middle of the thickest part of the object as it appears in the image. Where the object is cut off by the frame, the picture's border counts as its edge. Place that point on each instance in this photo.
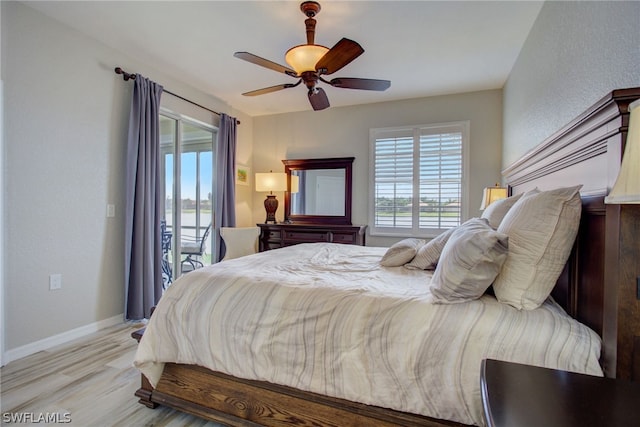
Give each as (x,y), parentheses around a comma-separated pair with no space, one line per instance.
(470,261)
(541,228)
(428,255)
(496,211)
(401,252)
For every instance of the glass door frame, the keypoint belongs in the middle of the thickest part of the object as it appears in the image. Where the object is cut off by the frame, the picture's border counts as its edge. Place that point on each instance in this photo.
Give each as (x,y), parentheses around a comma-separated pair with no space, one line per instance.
(176,191)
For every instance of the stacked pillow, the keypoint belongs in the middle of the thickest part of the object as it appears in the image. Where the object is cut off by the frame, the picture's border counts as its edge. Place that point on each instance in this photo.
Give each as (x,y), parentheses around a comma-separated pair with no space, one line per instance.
(496,211)
(428,255)
(401,252)
(541,228)
(520,245)
(470,261)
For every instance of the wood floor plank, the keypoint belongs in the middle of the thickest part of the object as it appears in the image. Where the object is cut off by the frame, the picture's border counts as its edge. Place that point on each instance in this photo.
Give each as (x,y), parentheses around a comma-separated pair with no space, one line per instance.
(92,379)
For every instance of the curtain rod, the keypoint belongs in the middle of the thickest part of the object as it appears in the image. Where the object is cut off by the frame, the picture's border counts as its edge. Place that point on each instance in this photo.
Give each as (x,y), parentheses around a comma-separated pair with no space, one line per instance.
(126,76)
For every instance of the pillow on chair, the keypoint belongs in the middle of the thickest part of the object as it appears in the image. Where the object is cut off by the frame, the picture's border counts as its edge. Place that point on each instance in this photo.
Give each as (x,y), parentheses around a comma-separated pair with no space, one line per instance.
(239,241)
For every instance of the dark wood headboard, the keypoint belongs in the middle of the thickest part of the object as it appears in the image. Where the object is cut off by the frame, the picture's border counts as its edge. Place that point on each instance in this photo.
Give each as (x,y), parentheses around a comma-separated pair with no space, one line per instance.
(598,286)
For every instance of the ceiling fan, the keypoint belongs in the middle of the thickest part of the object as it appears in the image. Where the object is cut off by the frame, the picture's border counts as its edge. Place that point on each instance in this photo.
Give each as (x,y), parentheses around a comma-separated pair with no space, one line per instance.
(309,62)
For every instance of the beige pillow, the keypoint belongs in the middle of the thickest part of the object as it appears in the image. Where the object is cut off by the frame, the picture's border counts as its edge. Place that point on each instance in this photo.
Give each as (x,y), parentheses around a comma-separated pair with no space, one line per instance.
(496,211)
(239,241)
(470,261)
(541,228)
(427,256)
(401,252)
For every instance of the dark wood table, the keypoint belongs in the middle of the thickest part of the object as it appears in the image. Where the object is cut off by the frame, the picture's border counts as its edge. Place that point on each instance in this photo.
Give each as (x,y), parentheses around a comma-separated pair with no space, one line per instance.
(516,395)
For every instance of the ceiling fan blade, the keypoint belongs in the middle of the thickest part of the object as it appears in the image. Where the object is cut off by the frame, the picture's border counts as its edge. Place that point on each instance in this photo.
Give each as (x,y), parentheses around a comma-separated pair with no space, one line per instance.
(318,99)
(364,84)
(271,89)
(338,56)
(254,59)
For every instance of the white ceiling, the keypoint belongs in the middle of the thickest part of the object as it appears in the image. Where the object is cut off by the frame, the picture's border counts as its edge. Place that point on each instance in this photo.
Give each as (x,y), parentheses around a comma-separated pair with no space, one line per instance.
(425,48)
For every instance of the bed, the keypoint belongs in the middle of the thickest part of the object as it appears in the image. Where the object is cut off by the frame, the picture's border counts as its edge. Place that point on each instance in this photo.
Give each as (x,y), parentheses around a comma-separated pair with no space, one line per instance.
(593,288)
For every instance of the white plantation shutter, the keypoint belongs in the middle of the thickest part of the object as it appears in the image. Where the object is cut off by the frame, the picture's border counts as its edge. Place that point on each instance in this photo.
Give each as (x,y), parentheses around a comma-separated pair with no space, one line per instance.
(417,176)
(393,181)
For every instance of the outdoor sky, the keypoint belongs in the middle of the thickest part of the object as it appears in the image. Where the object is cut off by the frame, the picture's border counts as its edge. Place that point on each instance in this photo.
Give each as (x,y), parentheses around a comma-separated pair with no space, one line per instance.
(188,175)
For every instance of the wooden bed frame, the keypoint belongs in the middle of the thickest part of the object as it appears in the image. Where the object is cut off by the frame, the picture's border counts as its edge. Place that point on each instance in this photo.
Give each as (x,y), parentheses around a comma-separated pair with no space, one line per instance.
(598,287)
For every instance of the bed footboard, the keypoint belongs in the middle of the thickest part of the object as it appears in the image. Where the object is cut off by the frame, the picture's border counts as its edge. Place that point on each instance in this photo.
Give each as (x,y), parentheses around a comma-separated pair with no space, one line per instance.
(145,390)
(237,402)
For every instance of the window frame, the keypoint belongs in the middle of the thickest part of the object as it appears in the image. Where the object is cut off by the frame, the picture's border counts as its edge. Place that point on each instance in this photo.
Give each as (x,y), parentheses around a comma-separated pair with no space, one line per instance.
(462,126)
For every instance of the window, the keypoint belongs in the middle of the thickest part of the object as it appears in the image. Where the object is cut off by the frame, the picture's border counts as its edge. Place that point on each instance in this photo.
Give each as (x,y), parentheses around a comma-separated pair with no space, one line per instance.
(417,179)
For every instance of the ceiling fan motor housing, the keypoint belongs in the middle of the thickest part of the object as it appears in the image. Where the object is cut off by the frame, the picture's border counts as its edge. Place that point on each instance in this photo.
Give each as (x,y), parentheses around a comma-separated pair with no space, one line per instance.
(310,79)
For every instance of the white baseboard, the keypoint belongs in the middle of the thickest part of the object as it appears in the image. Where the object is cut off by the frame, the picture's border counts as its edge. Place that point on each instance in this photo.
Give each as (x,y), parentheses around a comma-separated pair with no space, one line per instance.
(47,343)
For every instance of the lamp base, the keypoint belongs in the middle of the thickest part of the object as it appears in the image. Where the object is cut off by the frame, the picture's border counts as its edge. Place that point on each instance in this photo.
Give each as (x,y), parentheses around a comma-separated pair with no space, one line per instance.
(271,206)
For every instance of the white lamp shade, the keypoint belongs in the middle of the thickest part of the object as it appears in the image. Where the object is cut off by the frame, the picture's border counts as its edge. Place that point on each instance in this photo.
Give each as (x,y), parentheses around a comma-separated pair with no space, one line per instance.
(491,194)
(627,186)
(271,181)
(305,57)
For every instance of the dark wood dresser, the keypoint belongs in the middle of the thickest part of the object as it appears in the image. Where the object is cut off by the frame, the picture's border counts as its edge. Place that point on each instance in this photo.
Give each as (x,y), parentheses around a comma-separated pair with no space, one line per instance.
(273,236)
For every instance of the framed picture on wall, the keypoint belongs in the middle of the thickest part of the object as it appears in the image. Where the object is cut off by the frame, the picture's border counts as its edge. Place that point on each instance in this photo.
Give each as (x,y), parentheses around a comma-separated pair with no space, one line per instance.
(242,174)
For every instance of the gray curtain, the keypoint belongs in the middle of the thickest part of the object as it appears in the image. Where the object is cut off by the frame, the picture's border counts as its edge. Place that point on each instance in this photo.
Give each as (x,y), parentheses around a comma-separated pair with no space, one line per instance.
(225,210)
(143,209)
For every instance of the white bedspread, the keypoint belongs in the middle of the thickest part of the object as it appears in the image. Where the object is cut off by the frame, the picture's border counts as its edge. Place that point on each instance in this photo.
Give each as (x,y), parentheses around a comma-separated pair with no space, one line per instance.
(327,318)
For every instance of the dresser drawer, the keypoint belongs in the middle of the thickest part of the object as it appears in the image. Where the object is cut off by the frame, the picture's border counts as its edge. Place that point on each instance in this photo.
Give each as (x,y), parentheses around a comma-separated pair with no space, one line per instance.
(272,235)
(348,238)
(305,236)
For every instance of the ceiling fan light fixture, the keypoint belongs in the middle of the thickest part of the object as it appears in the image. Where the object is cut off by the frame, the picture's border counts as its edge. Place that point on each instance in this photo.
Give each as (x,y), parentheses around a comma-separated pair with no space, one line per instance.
(305,57)
(309,62)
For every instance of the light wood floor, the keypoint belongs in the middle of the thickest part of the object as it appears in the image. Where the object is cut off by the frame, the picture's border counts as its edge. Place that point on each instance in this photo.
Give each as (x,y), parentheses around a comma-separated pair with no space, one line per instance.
(92,379)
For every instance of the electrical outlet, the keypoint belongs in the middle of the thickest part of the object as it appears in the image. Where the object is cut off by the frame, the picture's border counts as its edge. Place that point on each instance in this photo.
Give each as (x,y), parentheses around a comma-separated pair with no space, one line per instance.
(55,282)
(111,211)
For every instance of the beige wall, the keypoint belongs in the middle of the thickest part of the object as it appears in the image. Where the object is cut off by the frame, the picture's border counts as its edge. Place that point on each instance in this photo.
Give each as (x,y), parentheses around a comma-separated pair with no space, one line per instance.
(575,54)
(66,120)
(344,132)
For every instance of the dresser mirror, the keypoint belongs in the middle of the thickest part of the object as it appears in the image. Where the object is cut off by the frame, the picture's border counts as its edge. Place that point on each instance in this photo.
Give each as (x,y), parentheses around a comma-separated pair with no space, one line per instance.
(319,191)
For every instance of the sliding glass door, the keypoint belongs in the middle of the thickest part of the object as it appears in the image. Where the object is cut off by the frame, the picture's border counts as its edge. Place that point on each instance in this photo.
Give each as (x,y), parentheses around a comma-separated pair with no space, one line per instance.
(187,148)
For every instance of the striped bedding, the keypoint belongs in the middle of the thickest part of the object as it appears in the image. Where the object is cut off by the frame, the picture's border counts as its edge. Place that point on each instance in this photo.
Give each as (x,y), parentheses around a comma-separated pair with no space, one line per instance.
(327,318)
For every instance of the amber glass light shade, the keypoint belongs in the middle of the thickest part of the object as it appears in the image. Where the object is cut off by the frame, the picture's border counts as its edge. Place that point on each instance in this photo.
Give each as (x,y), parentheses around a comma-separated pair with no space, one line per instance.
(305,57)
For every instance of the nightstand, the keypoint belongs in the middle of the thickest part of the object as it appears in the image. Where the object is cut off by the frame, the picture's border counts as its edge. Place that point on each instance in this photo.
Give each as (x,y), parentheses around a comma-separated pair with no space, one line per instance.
(518,395)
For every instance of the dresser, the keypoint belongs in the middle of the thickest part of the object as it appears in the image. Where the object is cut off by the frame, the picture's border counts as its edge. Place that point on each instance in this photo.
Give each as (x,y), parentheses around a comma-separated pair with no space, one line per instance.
(273,236)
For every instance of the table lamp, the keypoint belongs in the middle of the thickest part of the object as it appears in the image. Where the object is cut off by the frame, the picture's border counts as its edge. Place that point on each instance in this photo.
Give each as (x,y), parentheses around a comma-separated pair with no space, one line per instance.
(492,194)
(271,181)
(627,186)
